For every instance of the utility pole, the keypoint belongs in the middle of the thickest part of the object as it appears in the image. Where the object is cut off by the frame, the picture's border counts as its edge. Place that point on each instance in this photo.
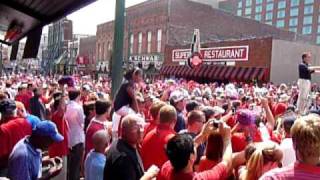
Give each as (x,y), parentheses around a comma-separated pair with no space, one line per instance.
(117,60)
(1,62)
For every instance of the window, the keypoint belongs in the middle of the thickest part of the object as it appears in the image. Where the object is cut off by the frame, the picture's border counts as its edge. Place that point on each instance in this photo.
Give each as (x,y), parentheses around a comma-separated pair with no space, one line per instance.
(269,16)
(248,11)
(295,3)
(293,29)
(239,12)
(282,4)
(308,9)
(99,51)
(319,29)
(240,4)
(258,9)
(280,23)
(131,43)
(159,38)
(307,20)
(257,17)
(293,22)
(269,22)
(149,37)
(102,54)
(140,43)
(318,40)
(269,0)
(307,30)
(269,7)
(248,3)
(294,11)
(281,14)
(258,1)
(308,1)
(110,46)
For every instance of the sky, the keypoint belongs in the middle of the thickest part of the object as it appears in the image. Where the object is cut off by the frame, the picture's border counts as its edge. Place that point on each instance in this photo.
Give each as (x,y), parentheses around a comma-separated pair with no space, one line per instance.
(85,20)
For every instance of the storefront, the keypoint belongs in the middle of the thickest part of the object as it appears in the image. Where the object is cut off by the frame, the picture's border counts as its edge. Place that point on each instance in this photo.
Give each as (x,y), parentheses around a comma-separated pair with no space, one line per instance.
(257,59)
(150,64)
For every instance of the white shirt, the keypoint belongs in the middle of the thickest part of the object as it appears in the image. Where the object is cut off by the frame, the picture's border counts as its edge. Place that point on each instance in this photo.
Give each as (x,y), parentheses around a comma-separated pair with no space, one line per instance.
(289,155)
(75,118)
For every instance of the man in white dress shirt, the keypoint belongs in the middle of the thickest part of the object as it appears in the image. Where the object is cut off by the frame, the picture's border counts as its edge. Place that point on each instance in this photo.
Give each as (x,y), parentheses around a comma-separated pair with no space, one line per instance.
(289,155)
(75,118)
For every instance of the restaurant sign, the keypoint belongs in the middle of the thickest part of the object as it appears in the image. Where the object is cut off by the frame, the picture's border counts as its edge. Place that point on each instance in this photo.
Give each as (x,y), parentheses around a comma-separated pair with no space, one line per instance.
(146,60)
(216,54)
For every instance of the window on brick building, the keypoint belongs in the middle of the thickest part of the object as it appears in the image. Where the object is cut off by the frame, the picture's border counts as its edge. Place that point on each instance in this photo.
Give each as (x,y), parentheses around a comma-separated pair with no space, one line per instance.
(308,10)
(248,11)
(258,9)
(293,29)
(131,43)
(248,3)
(269,16)
(257,17)
(239,12)
(295,3)
(293,22)
(140,43)
(99,51)
(102,54)
(308,1)
(318,40)
(110,46)
(258,1)
(307,20)
(282,4)
(149,38)
(281,14)
(280,23)
(307,30)
(270,7)
(318,29)
(240,4)
(159,40)
(294,11)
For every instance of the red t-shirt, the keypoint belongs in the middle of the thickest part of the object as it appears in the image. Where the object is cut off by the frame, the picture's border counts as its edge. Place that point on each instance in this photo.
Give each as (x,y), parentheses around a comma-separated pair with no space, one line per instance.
(24,99)
(151,126)
(153,146)
(10,133)
(93,127)
(60,149)
(239,143)
(219,172)
(206,164)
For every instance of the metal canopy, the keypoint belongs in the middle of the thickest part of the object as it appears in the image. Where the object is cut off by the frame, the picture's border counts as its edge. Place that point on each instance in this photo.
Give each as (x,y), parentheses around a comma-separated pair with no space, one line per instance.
(20,17)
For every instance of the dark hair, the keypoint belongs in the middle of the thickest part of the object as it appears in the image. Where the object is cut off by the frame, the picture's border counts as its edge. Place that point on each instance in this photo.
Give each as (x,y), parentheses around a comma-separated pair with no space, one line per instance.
(73,94)
(179,149)
(195,116)
(192,105)
(87,107)
(214,148)
(102,106)
(304,55)
(134,71)
(56,102)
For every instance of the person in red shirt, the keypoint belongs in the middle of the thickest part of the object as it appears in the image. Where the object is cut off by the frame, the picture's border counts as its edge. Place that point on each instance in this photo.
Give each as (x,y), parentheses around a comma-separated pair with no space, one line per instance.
(12,130)
(153,144)
(23,96)
(154,111)
(181,154)
(99,122)
(213,152)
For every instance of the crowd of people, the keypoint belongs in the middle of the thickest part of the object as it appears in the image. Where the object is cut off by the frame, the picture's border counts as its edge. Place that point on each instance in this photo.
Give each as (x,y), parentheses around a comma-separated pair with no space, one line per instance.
(173,129)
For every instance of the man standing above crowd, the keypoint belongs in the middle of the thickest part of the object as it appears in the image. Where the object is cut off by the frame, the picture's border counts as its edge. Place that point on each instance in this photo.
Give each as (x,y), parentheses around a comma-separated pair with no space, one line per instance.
(304,82)
(37,108)
(75,118)
(177,101)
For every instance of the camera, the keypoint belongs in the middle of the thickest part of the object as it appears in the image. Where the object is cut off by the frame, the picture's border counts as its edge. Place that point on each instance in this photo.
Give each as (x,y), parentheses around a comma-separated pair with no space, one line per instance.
(215,123)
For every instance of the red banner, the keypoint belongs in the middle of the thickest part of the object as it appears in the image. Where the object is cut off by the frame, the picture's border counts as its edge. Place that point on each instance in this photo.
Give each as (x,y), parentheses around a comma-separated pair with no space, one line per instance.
(229,53)
(82,60)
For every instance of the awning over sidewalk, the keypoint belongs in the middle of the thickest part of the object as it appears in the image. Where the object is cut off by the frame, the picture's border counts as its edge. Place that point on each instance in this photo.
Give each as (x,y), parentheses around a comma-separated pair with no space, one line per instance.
(216,72)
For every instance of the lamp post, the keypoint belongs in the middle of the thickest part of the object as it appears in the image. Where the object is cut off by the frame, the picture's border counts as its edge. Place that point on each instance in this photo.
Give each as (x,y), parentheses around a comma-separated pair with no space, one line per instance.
(117,60)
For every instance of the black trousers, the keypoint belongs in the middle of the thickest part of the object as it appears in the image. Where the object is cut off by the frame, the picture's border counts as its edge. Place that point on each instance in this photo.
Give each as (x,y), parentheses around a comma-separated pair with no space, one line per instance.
(74,161)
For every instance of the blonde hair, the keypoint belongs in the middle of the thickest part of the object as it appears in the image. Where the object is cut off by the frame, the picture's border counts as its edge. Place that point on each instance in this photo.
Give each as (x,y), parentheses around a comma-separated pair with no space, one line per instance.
(257,156)
(155,108)
(306,136)
(167,114)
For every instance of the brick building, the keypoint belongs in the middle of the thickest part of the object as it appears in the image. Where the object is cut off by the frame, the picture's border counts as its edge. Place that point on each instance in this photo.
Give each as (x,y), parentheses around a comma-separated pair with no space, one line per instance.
(155,24)
(86,59)
(301,16)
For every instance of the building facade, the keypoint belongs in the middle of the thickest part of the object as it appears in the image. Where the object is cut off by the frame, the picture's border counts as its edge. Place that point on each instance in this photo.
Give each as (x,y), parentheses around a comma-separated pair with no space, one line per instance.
(59,35)
(300,16)
(155,24)
(86,60)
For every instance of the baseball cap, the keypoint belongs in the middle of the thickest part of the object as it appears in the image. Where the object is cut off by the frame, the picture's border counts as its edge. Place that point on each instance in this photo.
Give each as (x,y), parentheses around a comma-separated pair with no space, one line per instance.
(176,96)
(7,106)
(47,128)
(245,117)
